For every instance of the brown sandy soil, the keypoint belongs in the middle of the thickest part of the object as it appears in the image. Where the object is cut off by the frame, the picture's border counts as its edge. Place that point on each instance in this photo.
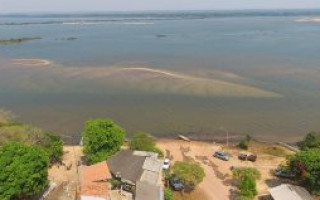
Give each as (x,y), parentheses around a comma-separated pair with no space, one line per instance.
(59,173)
(217,184)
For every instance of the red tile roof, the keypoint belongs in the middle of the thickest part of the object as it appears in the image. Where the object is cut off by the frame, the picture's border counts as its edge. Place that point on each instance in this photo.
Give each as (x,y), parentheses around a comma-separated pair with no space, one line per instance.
(94,180)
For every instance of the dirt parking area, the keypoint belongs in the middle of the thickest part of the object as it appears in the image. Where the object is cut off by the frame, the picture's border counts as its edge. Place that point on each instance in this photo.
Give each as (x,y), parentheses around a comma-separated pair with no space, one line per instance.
(217,184)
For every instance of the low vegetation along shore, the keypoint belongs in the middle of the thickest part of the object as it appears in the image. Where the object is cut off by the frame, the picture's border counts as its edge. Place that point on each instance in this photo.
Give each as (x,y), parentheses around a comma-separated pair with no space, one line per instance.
(18,40)
(35,163)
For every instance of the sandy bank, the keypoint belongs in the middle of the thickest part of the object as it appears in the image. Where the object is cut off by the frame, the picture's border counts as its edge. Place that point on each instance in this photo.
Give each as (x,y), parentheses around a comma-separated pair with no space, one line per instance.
(31,62)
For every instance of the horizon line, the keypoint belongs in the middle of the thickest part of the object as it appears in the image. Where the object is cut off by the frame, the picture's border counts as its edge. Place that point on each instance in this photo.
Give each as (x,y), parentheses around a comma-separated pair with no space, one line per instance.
(154,10)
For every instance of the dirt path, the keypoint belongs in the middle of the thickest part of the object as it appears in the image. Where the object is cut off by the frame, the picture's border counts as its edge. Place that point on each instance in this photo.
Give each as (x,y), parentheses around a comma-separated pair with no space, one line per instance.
(66,177)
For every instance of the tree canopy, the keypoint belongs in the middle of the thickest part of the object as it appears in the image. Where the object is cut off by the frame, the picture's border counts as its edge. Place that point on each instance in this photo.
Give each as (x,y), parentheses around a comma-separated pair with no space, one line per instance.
(312,140)
(24,171)
(248,188)
(144,142)
(101,139)
(17,132)
(246,177)
(307,166)
(241,172)
(189,172)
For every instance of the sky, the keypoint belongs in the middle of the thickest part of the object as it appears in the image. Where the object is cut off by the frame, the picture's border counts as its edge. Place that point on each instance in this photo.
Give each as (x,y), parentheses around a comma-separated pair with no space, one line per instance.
(31,6)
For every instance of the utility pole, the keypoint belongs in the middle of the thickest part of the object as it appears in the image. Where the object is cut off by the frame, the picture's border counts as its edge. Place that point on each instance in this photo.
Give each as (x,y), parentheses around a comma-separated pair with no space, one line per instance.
(227,132)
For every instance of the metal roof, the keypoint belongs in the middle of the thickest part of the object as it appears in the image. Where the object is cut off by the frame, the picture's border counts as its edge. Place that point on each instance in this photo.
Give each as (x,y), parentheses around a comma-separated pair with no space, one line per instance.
(290,192)
(146,191)
(127,165)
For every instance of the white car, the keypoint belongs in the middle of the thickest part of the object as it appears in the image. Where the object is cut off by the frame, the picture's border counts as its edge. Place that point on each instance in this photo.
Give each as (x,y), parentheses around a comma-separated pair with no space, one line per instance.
(166,164)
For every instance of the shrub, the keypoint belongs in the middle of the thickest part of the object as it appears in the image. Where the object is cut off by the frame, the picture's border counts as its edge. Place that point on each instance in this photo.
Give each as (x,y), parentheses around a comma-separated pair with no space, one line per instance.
(168,194)
(312,140)
(248,188)
(243,144)
(246,177)
(241,172)
(101,139)
(24,171)
(54,147)
(189,172)
(29,135)
(307,166)
(144,142)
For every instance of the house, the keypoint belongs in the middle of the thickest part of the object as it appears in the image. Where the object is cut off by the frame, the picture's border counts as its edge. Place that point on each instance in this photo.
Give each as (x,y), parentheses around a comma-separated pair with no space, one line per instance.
(289,192)
(94,183)
(140,172)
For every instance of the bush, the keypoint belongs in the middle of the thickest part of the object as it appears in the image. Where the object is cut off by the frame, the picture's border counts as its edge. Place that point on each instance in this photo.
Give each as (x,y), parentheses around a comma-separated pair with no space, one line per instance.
(242,172)
(24,171)
(29,135)
(306,164)
(244,143)
(312,140)
(101,139)
(168,194)
(246,177)
(144,142)
(248,188)
(54,147)
(190,173)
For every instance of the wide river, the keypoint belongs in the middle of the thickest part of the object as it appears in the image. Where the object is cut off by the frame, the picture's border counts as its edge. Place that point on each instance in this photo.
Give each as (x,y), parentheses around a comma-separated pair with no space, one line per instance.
(192,73)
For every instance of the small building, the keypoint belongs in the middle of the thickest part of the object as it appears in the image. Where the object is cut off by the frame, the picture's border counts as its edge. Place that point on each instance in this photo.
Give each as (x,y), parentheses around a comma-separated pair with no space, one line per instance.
(289,192)
(139,170)
(94,183)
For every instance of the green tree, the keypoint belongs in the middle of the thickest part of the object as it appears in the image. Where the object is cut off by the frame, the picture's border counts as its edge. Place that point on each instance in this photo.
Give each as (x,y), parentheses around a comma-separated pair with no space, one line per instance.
(101,139)
(53,144)
(144,142)
(168,194)
(307,166)
(248,188)
(246,178)
(241,172)
(244,143)
(24,171)
(312,140)
(189,172)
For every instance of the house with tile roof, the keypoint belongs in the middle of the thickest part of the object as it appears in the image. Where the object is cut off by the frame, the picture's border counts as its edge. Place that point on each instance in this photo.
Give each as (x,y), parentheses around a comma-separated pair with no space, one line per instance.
(94,182)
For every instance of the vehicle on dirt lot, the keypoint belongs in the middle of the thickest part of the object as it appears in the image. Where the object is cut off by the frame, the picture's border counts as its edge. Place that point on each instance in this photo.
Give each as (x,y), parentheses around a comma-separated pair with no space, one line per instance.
(221,155)
(251,158)
(166,164)
(176,184)
(282,173)
(242,156)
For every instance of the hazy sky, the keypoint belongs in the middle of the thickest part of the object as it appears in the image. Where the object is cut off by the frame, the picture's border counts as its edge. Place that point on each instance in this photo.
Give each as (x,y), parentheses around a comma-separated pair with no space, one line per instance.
(9,6)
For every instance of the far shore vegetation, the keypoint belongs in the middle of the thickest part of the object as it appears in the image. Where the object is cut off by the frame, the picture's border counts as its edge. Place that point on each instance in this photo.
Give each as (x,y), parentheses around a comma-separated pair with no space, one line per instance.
(18,40)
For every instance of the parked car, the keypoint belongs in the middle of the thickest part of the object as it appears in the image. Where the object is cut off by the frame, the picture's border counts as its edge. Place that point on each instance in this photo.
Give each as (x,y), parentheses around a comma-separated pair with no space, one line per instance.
(176,184)
(221,155)
(252,158)
(282,173)
(242,156)
(166,164)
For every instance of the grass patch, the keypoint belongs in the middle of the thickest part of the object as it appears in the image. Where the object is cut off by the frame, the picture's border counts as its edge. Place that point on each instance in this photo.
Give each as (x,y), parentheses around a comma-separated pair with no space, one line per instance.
(269,149)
